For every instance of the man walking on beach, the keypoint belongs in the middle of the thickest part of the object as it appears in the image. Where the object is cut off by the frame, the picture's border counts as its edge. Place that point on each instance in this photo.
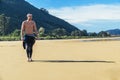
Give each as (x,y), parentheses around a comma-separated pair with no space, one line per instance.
(28,32)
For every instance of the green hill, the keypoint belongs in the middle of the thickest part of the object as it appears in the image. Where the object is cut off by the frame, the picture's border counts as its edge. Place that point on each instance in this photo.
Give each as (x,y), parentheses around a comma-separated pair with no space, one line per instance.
(115,32)
(16,11)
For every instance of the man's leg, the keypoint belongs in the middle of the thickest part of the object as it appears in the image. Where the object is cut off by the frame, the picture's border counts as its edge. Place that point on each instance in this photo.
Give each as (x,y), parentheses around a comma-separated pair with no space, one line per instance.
(31,51)
(28,50)
(31,47)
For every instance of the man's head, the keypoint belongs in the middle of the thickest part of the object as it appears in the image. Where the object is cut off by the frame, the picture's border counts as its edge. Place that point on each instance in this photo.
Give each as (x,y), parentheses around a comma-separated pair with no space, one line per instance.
(29,16)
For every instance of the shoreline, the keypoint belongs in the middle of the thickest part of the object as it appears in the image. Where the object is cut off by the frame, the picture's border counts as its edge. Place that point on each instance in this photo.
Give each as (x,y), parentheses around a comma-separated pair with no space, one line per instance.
(81,40)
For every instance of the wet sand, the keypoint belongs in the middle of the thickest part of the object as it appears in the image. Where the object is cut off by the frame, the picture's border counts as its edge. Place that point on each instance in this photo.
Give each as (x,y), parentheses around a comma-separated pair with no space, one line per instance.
(61,60)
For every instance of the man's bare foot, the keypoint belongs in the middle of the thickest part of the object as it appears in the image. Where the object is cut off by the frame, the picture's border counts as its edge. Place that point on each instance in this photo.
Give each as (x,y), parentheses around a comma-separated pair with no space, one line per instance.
(30,60)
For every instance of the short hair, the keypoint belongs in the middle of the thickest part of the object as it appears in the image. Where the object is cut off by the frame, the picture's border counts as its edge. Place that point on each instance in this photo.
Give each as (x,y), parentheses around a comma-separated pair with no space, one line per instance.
(29,14)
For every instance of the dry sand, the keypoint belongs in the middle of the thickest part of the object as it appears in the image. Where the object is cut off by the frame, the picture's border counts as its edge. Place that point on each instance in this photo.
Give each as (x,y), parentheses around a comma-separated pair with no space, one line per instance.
(61,60)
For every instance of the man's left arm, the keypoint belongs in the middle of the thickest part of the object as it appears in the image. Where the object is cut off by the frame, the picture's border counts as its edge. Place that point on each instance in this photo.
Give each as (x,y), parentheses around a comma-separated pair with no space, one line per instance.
(35,29)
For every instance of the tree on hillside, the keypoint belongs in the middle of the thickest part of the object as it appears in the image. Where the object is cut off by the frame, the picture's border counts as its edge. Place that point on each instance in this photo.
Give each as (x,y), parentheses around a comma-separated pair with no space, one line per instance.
(76,33)
(59,32)
(4,22)
(41,31)
(103,34)
(16,32)
(84,33)
(44,10)
(92,34)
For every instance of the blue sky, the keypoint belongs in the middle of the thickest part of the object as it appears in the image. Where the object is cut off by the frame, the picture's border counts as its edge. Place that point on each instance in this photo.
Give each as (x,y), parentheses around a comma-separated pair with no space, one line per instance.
(92,15)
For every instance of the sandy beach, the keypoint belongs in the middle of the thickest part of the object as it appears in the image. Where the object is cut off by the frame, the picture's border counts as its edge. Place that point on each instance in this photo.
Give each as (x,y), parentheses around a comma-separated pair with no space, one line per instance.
(61,60)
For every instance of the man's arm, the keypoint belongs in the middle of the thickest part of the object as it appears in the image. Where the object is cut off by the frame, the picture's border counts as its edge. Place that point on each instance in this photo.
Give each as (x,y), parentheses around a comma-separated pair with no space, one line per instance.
(22,30)
(35,29)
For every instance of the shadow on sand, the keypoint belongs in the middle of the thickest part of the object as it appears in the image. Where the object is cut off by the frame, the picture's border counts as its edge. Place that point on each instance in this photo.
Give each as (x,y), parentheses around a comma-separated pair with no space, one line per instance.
(74,61)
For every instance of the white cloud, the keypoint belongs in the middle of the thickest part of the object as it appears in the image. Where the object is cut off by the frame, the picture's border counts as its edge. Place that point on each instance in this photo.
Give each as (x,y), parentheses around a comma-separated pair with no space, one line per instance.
(79,14)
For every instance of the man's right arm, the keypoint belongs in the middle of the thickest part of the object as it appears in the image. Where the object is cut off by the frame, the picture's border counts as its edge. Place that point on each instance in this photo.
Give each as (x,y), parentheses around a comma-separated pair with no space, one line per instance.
(22,30)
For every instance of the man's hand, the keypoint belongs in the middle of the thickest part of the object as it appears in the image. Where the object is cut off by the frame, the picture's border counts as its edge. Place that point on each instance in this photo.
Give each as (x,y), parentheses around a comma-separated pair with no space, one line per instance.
(22,38)
(36,37)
